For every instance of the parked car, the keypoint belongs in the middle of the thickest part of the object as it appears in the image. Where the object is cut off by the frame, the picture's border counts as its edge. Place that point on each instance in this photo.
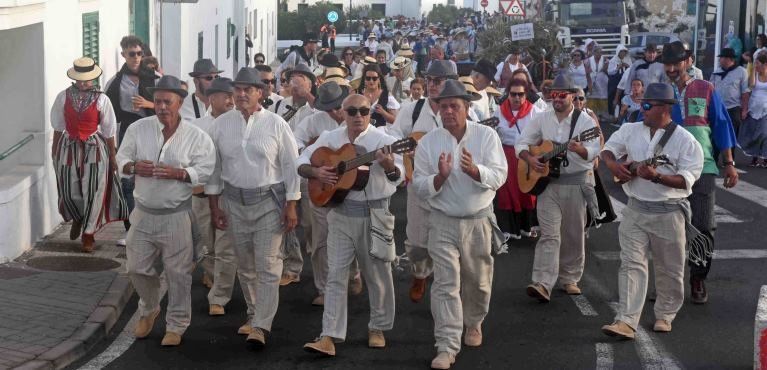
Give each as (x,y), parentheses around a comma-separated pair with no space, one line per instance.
(639,40)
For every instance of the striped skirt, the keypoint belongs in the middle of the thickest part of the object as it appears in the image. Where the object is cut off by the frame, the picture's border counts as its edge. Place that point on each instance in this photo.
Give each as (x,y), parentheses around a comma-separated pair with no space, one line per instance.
(88,191)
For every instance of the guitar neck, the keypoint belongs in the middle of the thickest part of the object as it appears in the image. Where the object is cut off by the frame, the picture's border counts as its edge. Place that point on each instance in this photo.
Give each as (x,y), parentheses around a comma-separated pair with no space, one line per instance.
(361,160)
(635,165)
(558,148)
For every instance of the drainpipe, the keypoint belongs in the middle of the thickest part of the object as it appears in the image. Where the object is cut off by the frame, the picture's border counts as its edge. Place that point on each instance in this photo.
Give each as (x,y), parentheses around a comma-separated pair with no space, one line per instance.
(719,21)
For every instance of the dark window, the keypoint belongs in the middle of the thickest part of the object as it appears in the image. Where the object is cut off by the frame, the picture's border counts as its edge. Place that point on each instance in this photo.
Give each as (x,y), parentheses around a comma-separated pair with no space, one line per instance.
(199,45)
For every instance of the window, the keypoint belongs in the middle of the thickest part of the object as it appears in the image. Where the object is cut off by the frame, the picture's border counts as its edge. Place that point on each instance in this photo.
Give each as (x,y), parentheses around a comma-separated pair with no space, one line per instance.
(199,46)
(91,35)
(303,7)
(691,7)
(229,34)
(255,24)
(378,8)
(657,40)
(215,44)
(451,2)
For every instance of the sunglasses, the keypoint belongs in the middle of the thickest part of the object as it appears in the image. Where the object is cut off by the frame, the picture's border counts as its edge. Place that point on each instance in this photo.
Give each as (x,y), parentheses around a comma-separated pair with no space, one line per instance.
(271,82)
(208,78)
(259,61)
(575,56)
(352,111)
(435,81)
(648,106)
(580,98)
(517,94)
(348,54)
(283,81)
(133,54)
(371,78)
(559,94)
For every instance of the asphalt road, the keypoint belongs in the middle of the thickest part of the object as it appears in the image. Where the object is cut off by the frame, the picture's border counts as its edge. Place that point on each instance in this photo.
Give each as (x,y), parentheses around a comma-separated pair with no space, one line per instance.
(518,332)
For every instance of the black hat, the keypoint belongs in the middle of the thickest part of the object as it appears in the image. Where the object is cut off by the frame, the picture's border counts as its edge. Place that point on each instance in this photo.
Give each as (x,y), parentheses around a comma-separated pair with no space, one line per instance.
(330,96)
(514,50)
(441,68)
(485,68)
(221,84)
(204,66)
(169,83)
(727,53)
(674,52)
(248,76)
(310,37)
(330,60)
(562,82)
(660,92)
(454,89)
(304,70)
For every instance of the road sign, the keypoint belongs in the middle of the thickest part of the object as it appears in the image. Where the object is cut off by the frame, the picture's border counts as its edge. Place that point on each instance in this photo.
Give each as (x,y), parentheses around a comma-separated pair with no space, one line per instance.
(484,3)
(522,31)
(332,16)
(512,8)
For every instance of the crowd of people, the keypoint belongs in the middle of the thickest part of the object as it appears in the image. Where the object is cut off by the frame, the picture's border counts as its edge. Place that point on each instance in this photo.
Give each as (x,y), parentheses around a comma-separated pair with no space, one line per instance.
(221,177)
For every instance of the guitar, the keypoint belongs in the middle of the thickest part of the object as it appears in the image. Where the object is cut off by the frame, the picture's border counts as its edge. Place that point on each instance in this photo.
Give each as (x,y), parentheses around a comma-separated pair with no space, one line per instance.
(533,182)
(348,167)
(655,161)
(409,158)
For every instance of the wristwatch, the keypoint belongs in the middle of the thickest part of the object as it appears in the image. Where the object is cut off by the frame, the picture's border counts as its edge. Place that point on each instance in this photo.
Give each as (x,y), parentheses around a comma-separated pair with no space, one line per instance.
(393,175)
(729,163)
(656,179)
(132,168)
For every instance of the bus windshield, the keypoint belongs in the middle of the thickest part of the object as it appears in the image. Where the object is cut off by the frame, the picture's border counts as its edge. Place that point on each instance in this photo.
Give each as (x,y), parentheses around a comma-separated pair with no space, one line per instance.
(590,13)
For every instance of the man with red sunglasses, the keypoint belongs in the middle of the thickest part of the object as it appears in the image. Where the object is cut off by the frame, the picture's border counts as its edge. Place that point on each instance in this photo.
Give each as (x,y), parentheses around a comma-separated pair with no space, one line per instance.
(196,105)
(561,209)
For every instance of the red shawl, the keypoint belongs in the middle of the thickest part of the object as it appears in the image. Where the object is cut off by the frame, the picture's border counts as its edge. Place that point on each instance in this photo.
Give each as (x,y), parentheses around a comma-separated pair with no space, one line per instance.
(524,110)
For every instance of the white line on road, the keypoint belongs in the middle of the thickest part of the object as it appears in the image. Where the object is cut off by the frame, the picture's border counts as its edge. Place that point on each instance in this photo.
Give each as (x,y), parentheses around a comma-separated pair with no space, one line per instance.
(605,358)
(746,191)
(584,306)
(724,254)
(722,215)
(652,354)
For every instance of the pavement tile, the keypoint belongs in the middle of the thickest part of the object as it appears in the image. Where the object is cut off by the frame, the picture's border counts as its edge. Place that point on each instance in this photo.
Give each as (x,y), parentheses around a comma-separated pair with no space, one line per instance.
(35,365)
(103,315)
(65,353)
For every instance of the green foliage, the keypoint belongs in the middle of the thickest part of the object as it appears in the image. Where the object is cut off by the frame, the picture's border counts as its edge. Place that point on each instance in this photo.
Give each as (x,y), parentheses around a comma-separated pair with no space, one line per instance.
(447,14)
(494,49)
(293,25)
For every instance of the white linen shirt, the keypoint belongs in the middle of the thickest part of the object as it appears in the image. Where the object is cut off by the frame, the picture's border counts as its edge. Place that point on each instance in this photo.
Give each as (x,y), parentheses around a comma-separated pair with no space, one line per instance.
(378,186)
(254,154)
(205,123)
(460,195)
(313,126)
(403,125)
(302,113)
(187,108)
(107,121)
(546,126)
(189,148)
(683,150)
(510,135)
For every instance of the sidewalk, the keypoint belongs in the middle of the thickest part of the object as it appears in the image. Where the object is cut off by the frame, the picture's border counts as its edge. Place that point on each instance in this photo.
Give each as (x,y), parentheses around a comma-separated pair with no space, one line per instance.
(57,303)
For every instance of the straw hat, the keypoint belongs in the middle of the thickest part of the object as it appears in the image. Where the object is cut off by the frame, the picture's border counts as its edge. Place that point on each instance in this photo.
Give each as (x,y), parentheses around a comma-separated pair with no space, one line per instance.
(400,63)
(492,91)
(84,69)
(405,51)
(468,82)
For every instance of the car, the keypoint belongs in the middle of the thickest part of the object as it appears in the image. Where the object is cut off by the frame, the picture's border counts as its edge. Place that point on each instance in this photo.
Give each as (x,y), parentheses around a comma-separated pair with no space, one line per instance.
(639,40)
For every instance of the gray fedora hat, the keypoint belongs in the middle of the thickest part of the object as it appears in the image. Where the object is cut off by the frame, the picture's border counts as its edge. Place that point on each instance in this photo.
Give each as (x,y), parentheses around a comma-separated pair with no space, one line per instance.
(204,66)
(303,69)
(220,85)
(441,68)
(563,82)
(248,76)
(169,83)
(454,89)
(661,92)
(331,95)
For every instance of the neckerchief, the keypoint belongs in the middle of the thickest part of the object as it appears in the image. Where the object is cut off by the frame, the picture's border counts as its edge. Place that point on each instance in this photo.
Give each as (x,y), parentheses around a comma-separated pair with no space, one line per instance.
(524,110)
(80,99)
(644,65)
(724,72)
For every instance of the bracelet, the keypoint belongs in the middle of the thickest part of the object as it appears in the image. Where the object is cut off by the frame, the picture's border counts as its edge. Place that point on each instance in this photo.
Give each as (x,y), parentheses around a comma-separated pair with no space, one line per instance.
(657,179)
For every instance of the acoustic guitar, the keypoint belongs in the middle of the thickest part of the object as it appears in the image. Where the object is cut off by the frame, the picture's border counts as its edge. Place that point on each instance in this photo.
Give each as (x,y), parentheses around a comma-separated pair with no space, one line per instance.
(349,167)
(534,182)
(409,158)
(656,161)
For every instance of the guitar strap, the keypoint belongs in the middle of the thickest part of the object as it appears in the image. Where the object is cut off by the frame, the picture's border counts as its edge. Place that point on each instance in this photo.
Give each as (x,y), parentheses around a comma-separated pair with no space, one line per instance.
(664,139)
(573,122)
(195,106)
(417,110)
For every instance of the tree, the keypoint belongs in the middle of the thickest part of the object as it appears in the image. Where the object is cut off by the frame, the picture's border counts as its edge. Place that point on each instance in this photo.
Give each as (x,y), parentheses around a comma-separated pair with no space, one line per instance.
(294,25)
(446,14)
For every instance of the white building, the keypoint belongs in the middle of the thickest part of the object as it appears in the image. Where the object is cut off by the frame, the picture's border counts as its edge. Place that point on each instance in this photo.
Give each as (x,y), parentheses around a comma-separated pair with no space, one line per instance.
(39,40)
(390,8)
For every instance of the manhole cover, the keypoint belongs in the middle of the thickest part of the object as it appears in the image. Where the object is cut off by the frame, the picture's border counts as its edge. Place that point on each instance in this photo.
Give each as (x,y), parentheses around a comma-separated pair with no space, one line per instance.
(63,263)
(67,247)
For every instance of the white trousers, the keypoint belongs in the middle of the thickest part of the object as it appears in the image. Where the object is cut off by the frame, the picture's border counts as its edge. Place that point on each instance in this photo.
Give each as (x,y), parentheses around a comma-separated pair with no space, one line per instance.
(169,237)
(294,261)
(560,249)
(347,237)
(463,276)
(663,235)
(417,232)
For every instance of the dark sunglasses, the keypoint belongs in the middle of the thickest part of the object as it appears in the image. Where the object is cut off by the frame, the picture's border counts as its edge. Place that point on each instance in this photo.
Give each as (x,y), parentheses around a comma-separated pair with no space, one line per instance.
(283,81)
(580,98)
(348,54)
(371,78)
(208,78)
(352,111)
(559,94)
(517,94)
(133,54)
(648,106)
(259,61)
(271,82)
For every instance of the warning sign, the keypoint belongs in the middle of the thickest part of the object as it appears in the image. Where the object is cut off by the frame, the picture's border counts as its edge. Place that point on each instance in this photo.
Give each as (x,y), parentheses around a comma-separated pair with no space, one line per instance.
(512,8)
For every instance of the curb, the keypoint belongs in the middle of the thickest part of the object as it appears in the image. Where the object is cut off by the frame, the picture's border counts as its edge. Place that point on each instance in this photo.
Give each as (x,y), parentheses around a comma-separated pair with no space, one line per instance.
(760,332)
(95,328)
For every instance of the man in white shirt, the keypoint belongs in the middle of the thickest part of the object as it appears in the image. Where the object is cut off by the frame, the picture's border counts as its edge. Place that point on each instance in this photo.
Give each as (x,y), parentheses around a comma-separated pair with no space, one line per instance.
(371,43)
(563,204)
(203,74)
(220,262)
(425,112)
(658,211)
(255,174)
(349,227)
(483,75)
(267,76)
(458,168)
(168,156)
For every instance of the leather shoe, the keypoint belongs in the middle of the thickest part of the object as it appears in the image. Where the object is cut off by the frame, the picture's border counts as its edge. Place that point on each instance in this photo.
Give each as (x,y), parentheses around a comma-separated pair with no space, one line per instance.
(698,293)
(171,339)
(473,337)
(257,337)
(245,329)
(319,300)
(661,326)
(417,290)
(207,281)
(619,329)
(88,243)
(288,279)
(355,286)
(216,310)
(572,289)
(145,324)
(443,361)
(323,345)
(74,231)
(376,339)
(539,292)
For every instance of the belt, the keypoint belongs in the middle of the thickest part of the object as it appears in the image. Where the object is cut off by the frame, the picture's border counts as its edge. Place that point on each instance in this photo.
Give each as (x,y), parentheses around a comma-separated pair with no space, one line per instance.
(253,196)
(185,206)
(578,178)
(360,208)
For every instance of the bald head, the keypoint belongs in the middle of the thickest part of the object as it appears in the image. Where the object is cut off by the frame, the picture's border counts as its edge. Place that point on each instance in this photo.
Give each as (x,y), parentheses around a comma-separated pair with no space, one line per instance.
(359,105)
(356,100)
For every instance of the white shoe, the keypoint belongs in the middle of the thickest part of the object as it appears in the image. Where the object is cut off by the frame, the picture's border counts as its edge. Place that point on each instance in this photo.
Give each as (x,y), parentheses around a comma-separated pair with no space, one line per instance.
(120,242)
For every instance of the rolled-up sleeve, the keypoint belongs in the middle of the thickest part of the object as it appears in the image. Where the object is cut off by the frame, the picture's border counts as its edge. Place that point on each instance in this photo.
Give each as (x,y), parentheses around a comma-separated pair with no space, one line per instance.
(203,160)
(616,144)
(531,135)
(690,163)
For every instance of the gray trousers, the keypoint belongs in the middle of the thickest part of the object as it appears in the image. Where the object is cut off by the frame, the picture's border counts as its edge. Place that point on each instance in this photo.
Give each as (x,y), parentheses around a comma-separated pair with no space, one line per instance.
(318,249)
(294,261)
(221,262)
(347,237)
(463,276)
(168,237)
(560,249)
(256,231)
(417,231)
(663,235)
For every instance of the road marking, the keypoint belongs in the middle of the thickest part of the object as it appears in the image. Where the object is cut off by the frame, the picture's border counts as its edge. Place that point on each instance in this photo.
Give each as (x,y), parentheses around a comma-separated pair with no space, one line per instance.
(652,354)
(605,356)
(724,254)
(722,215)
(746,191)
(584,306)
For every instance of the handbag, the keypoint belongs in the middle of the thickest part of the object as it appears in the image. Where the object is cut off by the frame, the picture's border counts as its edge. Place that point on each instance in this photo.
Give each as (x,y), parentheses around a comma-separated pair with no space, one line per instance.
(604,203)
(382,235)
